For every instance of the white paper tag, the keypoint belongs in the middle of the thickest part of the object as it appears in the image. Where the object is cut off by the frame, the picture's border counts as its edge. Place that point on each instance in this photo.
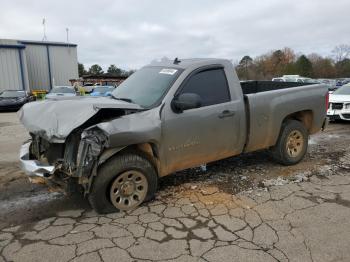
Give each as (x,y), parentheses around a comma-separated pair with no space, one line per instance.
(168,71)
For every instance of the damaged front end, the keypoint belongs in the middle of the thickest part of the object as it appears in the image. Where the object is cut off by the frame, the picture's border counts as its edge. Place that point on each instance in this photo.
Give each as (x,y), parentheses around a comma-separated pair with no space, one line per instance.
(66,165)
(68,153)
(91,145)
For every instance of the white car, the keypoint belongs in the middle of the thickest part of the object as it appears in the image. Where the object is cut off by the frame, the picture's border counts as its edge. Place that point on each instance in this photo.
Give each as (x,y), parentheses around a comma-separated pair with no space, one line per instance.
(278,79)
(59,91)
(295,78)
(284,79)
(339,104)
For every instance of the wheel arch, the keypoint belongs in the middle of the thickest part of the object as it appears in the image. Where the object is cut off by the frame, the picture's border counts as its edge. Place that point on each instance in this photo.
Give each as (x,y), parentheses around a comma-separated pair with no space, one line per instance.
(149,150)
(304,116)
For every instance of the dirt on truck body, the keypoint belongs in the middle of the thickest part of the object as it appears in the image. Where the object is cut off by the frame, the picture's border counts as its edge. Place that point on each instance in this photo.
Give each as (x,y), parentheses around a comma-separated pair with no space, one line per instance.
(166,117)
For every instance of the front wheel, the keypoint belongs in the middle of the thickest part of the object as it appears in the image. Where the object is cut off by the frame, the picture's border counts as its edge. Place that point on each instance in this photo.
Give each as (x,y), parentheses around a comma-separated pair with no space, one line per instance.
(292,143)
(123,183)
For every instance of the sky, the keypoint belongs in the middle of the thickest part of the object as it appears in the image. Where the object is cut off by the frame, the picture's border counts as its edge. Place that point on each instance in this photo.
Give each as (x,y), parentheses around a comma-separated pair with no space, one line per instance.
(132,33)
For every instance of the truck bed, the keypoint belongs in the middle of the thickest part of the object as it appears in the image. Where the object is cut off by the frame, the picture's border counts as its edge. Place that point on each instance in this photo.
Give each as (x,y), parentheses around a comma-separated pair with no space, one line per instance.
(269,103)
(252,87)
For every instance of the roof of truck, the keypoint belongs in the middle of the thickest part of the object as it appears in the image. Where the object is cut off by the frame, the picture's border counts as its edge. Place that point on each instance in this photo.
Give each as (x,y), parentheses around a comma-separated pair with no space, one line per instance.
(185,63)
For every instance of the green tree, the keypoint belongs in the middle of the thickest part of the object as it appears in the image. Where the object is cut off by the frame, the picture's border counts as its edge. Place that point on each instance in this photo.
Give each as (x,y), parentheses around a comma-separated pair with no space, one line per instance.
(343,68)
(303,66)
(128,73)
(289,69)
(112,69)
(341,52)
(278,63)
(243,68)
(277,57)
(322,67)
(96,70)
(81,70)
(325,69)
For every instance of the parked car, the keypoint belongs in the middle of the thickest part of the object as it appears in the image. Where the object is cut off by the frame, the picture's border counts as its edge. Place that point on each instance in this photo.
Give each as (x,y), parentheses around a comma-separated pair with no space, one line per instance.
(12,100)
(339,104)
(307,80)
(164,118)
(59,91)
(279,79)
(102,91)
(284,79)
(295,78)
(339,83)
(330,83)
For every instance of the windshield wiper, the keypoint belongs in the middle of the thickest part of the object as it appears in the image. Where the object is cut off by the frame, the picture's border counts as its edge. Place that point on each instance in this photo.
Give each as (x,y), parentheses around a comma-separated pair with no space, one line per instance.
(124,99)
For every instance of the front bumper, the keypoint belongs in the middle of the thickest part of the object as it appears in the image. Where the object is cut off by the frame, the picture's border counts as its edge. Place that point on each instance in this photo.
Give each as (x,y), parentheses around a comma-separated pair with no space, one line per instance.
(343,114)
(33,168)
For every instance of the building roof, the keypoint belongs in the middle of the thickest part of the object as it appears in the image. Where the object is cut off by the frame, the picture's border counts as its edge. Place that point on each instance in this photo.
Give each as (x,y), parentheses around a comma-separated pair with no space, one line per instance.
(11,43)
(30,42)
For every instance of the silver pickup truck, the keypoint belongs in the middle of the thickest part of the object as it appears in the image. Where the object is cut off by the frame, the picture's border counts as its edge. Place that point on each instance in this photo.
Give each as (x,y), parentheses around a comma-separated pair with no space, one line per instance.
(166,117)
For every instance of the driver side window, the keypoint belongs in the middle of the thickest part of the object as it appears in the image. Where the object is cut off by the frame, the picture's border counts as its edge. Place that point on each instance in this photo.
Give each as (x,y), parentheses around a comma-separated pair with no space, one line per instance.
(211,85)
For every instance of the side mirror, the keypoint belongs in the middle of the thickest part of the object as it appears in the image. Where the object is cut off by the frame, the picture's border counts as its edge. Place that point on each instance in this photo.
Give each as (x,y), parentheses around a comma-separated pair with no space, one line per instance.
(186,101)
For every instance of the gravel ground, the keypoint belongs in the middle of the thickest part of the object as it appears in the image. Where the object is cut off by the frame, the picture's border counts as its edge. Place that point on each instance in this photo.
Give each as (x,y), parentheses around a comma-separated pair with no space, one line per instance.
(245,208)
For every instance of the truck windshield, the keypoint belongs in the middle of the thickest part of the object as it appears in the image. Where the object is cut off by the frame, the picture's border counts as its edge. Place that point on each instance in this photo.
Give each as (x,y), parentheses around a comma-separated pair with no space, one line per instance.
(62,89)
(147,85)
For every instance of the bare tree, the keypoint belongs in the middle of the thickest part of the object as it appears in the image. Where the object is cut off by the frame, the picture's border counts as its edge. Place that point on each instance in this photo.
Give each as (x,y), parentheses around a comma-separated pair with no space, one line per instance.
(341,52)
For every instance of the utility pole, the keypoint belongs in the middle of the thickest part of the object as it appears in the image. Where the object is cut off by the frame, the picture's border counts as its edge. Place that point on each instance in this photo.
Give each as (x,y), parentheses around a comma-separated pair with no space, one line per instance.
(44,30)
(67,32)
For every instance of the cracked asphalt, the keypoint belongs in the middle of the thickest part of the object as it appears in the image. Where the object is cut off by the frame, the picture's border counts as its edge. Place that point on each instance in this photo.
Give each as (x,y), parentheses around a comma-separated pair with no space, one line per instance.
(241,209)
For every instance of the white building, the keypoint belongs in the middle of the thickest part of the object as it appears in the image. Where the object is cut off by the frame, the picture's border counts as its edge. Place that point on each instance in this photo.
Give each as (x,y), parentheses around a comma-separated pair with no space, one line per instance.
(31,65)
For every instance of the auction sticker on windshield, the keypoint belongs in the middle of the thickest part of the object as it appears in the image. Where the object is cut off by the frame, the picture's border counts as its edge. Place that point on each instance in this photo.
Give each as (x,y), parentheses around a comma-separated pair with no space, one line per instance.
(168,71)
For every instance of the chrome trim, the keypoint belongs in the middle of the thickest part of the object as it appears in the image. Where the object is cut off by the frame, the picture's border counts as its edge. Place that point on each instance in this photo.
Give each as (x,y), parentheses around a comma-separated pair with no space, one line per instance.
(33,167)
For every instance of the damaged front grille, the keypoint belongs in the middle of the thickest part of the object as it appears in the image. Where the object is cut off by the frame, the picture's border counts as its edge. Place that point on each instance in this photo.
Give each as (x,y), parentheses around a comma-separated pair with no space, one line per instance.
(35,150)
(70,152)
(91,145)
(44,151)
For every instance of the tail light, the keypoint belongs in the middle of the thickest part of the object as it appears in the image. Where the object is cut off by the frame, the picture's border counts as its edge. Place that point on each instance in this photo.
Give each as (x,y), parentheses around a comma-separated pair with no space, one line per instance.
(327,100)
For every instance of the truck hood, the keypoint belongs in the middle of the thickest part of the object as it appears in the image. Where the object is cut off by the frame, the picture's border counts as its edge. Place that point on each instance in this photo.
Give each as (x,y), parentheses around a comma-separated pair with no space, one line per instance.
(56,119)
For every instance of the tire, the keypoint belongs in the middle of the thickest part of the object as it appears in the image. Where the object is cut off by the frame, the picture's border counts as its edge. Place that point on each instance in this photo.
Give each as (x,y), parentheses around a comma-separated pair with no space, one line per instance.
(116,168)
(292,143)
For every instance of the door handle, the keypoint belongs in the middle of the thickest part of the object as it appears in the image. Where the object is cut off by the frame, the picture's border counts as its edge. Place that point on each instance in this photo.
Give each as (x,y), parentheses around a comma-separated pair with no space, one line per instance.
(226,113)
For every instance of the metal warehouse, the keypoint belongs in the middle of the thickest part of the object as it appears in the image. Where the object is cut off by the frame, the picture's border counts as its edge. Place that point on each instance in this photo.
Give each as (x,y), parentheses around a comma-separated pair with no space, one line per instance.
(36,65)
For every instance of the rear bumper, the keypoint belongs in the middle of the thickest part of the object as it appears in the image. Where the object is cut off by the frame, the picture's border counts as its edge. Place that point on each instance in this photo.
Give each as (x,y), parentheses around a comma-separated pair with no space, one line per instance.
(33,168)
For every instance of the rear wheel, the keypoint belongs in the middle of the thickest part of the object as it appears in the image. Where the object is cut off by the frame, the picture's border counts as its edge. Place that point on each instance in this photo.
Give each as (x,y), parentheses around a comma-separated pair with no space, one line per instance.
(123,183)
(292,143)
